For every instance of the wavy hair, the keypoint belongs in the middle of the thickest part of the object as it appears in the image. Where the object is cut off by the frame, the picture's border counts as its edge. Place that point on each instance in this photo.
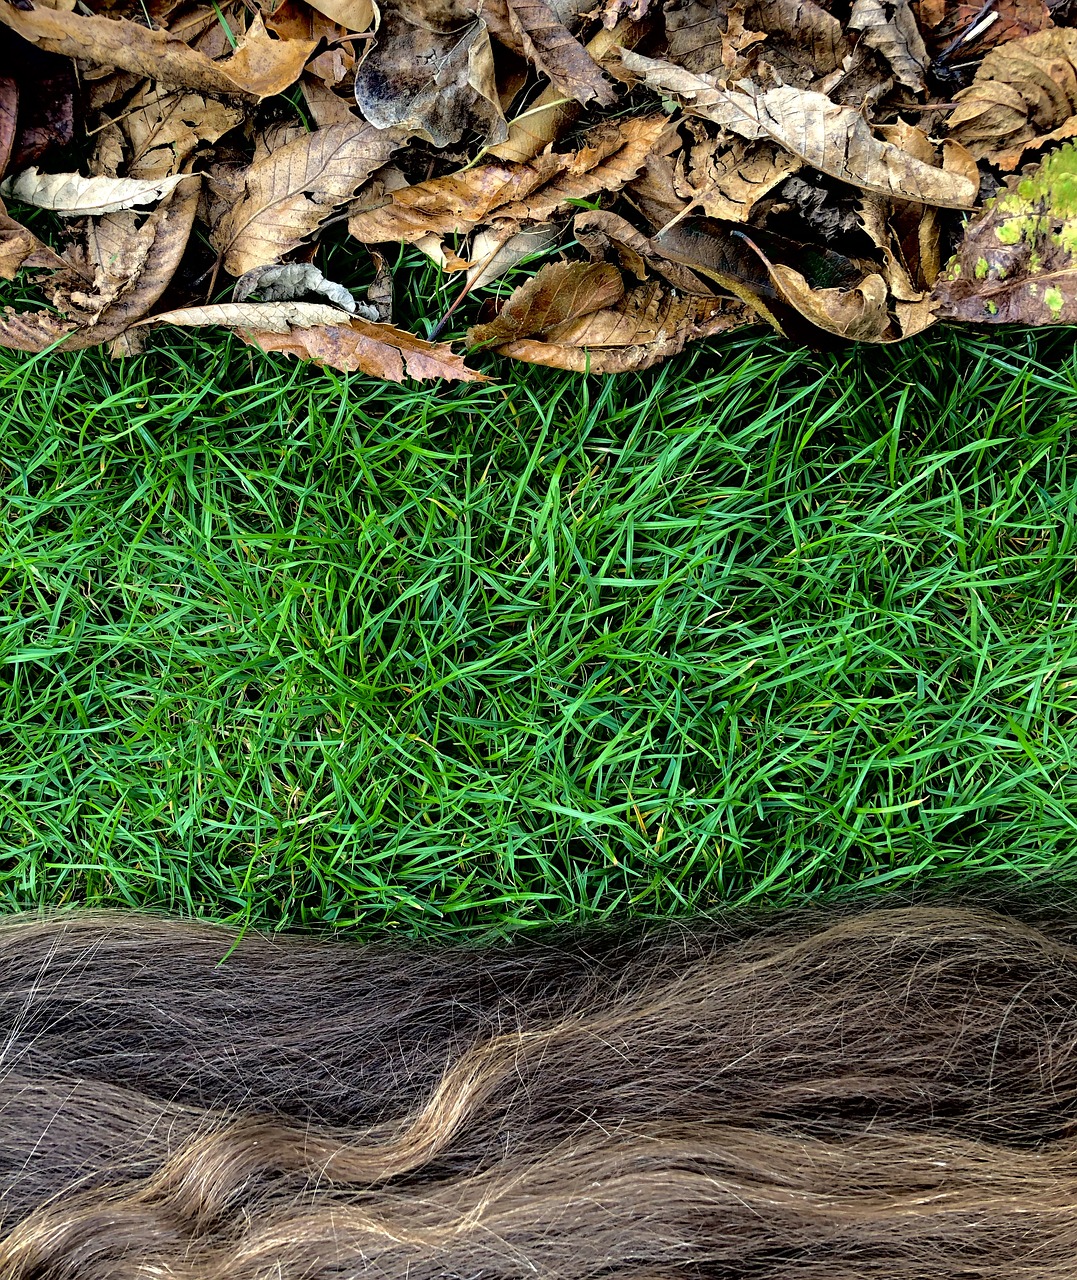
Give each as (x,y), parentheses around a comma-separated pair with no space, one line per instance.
(888,1094)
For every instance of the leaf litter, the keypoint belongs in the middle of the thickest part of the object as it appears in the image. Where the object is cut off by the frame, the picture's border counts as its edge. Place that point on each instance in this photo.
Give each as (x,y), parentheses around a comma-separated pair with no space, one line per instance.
(598,185)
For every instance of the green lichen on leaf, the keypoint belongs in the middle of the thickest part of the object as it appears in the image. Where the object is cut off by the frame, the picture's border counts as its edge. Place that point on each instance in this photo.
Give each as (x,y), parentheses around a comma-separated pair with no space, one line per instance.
(1054,300)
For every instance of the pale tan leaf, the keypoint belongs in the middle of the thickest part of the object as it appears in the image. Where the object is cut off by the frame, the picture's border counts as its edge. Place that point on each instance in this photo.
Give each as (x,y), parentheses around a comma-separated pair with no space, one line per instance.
(286,196)
(436,84)
(258,68)
(495,252)
(330,337)
(527,193)
(727,178)
(289,281)
(20,249)
(833,139)
(858,313)
(72,196)
(352,15)
(533,28)
(560,291)
(325,106)
(170,226)
(165,128)
(889,27)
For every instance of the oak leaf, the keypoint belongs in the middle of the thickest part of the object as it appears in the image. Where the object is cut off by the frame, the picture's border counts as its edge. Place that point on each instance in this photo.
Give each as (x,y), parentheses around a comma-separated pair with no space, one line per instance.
(288,194)
(258,68)
(835,140)
(328,336)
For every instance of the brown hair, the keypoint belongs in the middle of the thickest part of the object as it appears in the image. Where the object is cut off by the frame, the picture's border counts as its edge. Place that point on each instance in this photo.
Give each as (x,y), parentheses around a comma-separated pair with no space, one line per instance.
(835,1096)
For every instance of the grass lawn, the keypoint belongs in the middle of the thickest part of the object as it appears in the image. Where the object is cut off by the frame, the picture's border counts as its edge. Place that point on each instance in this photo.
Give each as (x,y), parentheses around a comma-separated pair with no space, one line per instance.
(283,646)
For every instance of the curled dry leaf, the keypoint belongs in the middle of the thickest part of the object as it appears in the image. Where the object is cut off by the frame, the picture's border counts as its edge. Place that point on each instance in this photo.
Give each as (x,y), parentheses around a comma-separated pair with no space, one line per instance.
(1017,262)
(606,235)
(72,196)
(352,15)
(646,325)
(258,68)
(328,336)
(1023,90)
(727,177)
(889,27)
(164,128)
(20,249)
(525,193)
(858,312)
(801,35)
(560,291)
(835,140)
(287,195)
(498,249)
(289,281)
(433,76)
(169,228)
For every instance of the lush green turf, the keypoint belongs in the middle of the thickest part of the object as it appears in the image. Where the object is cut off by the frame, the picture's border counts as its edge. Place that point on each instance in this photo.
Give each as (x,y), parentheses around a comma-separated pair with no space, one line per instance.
(283,646)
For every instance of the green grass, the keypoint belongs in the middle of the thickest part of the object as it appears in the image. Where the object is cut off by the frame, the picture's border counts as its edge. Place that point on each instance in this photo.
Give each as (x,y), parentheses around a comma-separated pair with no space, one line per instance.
(288,647)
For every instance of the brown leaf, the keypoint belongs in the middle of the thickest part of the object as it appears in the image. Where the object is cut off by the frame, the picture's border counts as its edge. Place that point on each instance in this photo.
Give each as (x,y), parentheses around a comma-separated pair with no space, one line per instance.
(169,229)
(352,15)
(286,196)
(165,128)
(311,331)
(436,84)
(380,291)
(835,140)
(607,235)
(9,107)
(325,106)
(1015,18)
(1022,89)
(258,68)
(560,291)
(726,178)
(72,196)
(532,28)
(20,248)
(1017,262)
(646,325)
(889,27)
(858,313)
(497,250)
(530,193)
(802,36)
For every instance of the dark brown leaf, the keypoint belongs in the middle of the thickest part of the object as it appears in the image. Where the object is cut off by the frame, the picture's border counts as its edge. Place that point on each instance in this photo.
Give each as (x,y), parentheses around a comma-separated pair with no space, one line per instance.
(560,291)
(532,28)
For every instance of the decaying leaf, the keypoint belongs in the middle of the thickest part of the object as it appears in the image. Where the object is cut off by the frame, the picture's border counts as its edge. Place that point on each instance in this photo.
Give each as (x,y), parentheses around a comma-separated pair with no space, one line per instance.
(1017,262)
(432,82)
(380,294)
(352,15)
(858,312)
(289,281)
(258,68)
(1023,90)
(560,291)
(168,229)
(45,94)
(328,336)
(525,193)
(533,28)
(800,35)
(889,27)
(288,194)
(163,129)
(835,140)
(727,177)
(20,249)
(9,109)
(72,196)
(608,237)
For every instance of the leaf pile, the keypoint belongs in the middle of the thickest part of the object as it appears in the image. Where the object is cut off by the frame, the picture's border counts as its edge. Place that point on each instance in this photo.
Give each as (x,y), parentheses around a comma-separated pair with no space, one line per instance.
(646,173)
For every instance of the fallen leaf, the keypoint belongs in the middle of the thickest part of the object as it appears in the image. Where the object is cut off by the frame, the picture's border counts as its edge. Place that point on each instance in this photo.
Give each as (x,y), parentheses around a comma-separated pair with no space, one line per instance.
(325,106)
(286,196)
(327,336)
(46,101)
(1012,19)
(605,234)
(497,250)
(1017,261)
(21,249)
(258,68)
(433,83)
(801,34)
(1022,90)
(533,28)
(532,192)
(835,140)
(9,107)
(727,177)
(352,15)
(72,196)
(380,291)
(646,325)
(169,230)
(288,281)
(858,313)
(560,291)
(889,27)
(164,128)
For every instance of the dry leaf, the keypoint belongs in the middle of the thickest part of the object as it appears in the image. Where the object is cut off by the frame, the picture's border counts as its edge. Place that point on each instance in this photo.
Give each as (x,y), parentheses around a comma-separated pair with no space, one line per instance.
(352,15)
(21,249)
(801,35)
(258,68)
(164,129)
(533,29)
(560,291)
(833,139)
(646,325)
(46,101)
(325,106)
(380,291)
(889,27)
(9,108)
(726,178)
(858,312)
(169,230)
(531,192)
(72,196)
(607,235)
(330,337)
(433,83)
(1015,18)
(1022,90)
(286,196)
(1017,262)
(288,281)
